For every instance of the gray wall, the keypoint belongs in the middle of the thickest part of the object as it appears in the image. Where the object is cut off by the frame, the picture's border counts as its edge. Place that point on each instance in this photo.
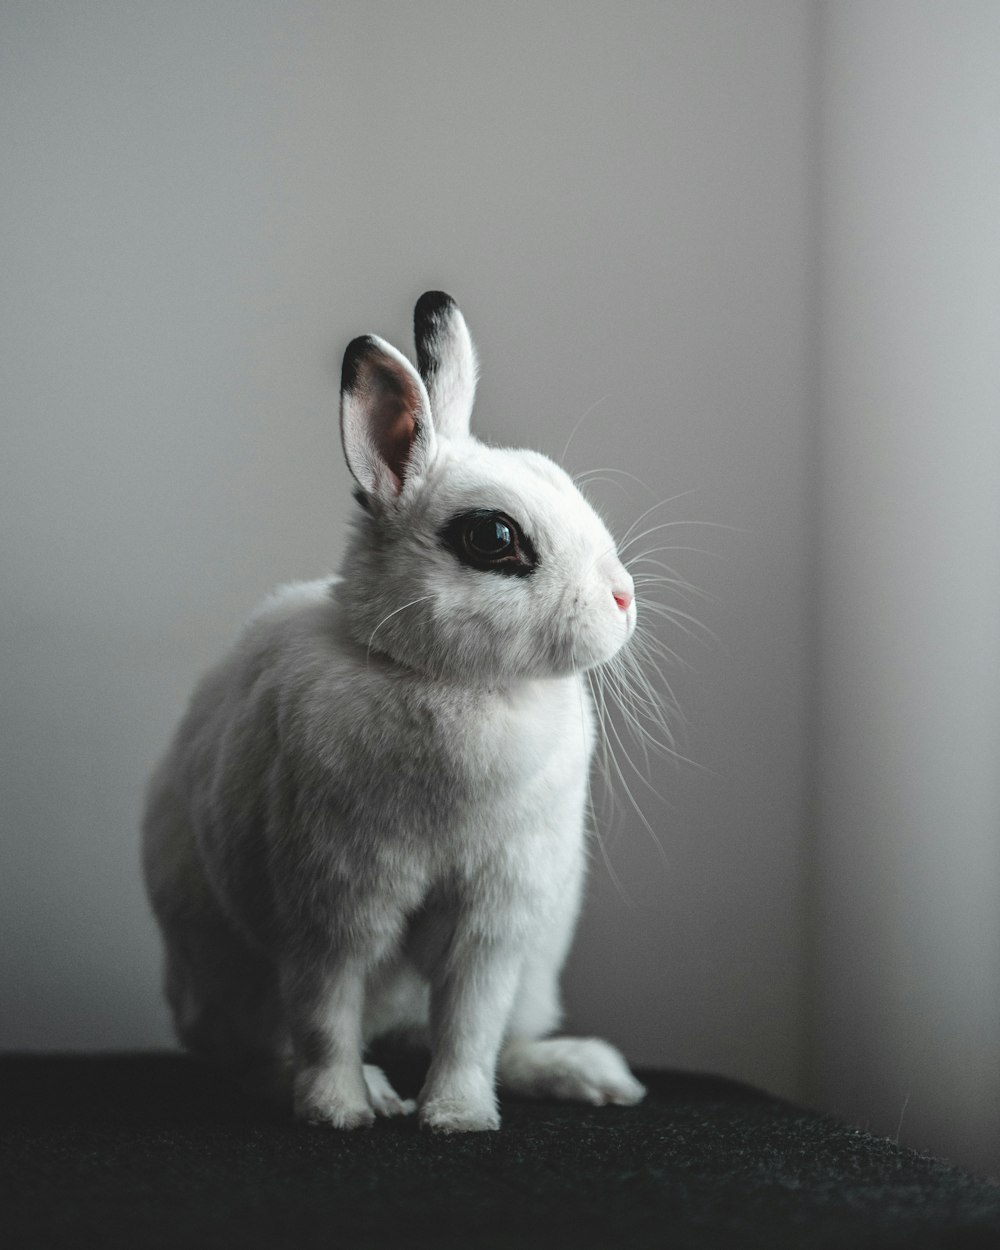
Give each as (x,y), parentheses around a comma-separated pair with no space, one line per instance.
(907,969)
(753,246)
(203,203)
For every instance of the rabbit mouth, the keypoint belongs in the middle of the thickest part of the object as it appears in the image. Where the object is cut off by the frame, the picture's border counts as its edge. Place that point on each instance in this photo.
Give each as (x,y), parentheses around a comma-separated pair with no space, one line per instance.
(578,654)
(590,638)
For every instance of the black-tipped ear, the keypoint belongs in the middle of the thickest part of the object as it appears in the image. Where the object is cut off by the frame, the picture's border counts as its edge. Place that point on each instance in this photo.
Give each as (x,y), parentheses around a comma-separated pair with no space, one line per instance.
(429,318)
(446,359)
(384,418)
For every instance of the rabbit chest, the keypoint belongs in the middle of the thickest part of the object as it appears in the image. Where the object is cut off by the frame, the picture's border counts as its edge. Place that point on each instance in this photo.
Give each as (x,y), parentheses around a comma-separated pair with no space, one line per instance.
(375,781)
(447,768)
(332,776)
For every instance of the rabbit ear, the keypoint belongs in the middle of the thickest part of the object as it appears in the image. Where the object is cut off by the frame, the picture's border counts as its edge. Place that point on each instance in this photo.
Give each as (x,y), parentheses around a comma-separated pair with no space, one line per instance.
(385,421)
(446,360)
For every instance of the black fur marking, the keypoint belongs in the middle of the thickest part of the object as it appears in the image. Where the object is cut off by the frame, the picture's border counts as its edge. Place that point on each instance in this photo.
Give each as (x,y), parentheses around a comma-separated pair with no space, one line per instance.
(361,498)
(519,559)
(385,373)
(355,352)
(429,317)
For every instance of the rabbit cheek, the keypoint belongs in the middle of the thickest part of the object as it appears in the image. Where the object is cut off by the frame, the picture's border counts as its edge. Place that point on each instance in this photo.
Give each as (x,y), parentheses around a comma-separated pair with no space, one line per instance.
(605,627)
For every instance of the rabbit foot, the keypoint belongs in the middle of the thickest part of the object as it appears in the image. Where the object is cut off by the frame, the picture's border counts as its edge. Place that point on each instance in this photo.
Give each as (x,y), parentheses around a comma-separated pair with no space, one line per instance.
(463,1103)
(457,1115)
(332,1098)
(383,1098)
(578,1069)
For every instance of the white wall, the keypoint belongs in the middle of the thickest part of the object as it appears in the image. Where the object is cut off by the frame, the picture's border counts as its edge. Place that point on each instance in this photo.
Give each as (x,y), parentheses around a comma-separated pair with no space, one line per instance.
(907,973)
(203,203)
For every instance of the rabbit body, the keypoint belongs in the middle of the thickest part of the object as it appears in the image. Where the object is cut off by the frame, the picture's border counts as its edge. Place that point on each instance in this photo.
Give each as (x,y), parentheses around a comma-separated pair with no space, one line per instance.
(371,818)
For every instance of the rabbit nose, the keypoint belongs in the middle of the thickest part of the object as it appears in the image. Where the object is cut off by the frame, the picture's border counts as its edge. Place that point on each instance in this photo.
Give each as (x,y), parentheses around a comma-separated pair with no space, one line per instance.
(622,588)
(619,580)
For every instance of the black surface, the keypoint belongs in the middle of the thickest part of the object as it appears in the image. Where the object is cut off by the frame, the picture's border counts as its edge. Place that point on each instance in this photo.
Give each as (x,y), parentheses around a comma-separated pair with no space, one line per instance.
(153,1151)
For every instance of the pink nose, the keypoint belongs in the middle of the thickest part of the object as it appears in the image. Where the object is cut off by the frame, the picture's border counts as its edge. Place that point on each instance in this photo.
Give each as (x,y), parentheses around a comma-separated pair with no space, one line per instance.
(623,598)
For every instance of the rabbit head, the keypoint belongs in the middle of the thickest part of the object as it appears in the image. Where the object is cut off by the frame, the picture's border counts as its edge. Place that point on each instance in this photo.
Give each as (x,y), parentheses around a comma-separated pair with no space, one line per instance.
(467,561)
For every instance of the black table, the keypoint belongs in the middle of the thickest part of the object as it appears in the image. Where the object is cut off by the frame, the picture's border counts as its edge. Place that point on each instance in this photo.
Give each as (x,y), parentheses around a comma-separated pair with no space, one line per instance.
(152,1150)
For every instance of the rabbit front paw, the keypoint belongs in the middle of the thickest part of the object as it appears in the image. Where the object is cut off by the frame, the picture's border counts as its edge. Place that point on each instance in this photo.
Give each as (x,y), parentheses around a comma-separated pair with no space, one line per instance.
(453,1115)
(463,1104)
(333,1097)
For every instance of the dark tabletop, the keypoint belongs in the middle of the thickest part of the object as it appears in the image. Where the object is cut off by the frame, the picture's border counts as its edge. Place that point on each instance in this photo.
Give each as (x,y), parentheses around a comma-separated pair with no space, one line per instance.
(154,1150)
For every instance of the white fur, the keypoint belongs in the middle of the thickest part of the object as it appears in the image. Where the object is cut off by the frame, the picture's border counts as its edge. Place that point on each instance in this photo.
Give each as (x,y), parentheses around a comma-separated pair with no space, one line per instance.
(371,818)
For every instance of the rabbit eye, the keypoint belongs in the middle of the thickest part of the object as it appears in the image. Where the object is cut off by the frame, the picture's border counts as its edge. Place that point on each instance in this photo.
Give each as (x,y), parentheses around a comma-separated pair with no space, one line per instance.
(491,541)
(490,537)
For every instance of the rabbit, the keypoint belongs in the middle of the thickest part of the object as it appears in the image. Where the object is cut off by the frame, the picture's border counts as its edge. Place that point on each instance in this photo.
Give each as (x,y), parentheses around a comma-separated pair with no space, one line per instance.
(372,817)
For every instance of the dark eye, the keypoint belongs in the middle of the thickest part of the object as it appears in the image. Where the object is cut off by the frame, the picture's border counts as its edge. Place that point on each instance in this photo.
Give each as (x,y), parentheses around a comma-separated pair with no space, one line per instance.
(489,537)
(491,541)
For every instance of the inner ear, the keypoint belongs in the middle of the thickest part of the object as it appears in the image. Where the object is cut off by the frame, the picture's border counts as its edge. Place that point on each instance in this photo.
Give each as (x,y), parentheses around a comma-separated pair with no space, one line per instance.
(385,417)
(394,421)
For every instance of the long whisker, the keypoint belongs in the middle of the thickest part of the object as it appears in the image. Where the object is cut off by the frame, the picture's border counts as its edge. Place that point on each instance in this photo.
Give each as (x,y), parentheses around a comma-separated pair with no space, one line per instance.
(651,647)
(582,483)
(678,585)
(675,616)
(388,617)
(645,557)
(589,475)
(634,702)
(632,717)
(615,879)
(660,503)
(666,525)
(601,708)
(670,751)
(580,421)
(650,700)
(644,704)
(628,790)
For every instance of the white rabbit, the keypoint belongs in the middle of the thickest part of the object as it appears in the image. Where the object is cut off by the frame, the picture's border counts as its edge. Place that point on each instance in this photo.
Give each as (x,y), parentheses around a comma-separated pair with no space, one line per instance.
(372,816)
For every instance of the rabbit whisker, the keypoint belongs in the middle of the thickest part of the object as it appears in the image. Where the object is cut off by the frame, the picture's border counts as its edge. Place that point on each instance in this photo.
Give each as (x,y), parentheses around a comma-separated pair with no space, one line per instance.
(661,503)
(580,420)
(611,731)
(675,616)
(597,475)
(596,822)
(666,525)
(388,617)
